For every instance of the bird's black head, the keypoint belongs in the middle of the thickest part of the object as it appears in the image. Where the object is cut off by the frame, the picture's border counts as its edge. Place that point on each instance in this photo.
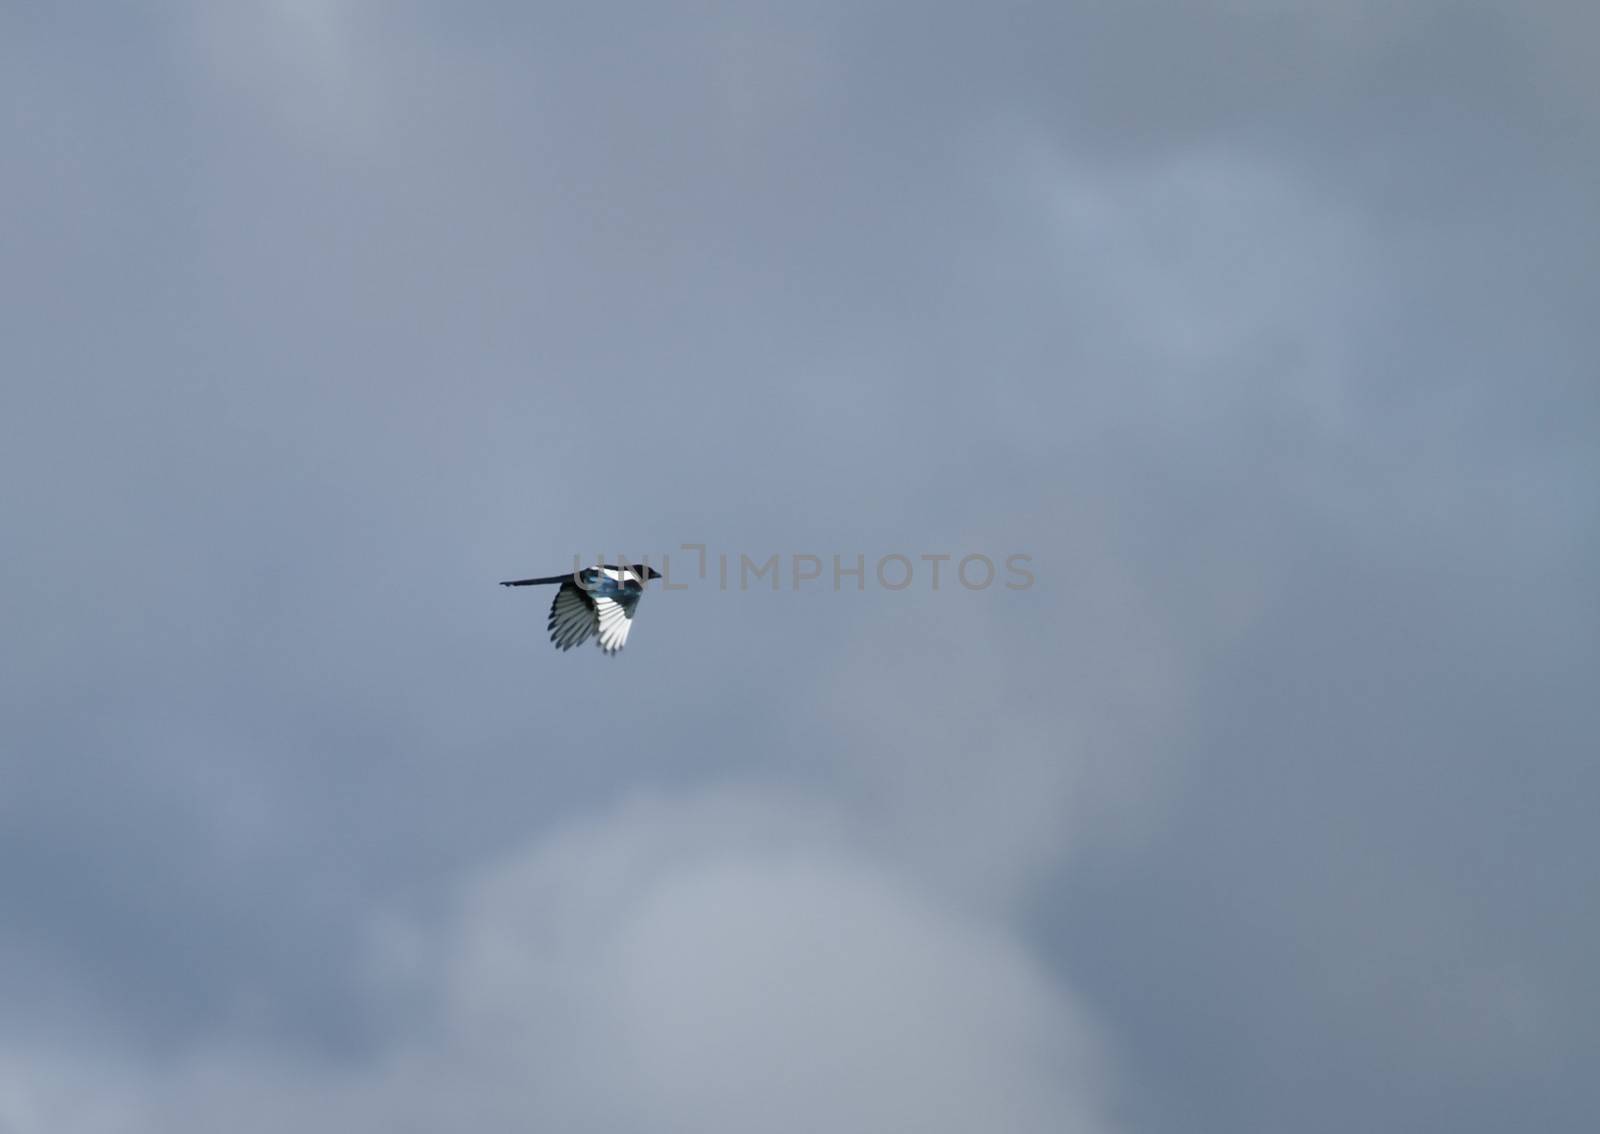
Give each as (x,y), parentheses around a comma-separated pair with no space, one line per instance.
(645,571)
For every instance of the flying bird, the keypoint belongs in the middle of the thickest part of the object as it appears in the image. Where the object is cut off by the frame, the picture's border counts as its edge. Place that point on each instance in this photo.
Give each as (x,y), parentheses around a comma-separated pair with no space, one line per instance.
(597,600)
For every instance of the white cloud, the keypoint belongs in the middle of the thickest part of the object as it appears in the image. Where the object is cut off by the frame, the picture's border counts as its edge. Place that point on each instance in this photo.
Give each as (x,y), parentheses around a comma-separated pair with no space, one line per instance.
(730,962)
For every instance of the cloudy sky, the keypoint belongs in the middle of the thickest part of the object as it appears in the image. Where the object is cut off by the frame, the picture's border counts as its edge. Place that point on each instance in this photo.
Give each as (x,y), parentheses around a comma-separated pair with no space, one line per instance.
(1266,328)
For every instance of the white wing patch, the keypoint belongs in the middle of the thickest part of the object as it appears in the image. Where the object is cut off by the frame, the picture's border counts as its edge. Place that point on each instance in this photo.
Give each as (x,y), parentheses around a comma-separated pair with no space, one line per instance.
(572,617)
(613,621)
(620,574)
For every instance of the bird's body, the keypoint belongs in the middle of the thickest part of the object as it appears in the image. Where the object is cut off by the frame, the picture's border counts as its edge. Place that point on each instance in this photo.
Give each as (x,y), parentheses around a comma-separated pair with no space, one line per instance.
(596,600)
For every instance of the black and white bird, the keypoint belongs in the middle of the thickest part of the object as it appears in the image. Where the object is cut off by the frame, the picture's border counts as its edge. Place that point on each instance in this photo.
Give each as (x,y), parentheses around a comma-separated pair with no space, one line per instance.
(597,600)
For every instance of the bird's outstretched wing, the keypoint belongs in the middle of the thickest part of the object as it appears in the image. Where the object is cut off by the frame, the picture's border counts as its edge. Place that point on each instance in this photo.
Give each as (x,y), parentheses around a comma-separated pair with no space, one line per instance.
(613,620)
(572,617)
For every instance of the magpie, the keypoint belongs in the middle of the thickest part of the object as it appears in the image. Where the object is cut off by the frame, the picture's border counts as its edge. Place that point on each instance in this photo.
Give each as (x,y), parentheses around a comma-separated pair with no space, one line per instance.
(596,600)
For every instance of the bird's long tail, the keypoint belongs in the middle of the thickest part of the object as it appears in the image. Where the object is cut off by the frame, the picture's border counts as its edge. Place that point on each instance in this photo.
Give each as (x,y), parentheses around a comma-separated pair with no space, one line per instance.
(536,582)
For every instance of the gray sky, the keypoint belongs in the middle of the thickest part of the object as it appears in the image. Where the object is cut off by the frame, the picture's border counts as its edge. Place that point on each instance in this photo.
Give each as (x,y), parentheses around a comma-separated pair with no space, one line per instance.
(1266,328)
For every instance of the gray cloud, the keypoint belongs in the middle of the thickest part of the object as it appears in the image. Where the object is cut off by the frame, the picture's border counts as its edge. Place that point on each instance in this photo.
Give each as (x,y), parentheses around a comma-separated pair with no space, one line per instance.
(697,964)
(1264,327)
